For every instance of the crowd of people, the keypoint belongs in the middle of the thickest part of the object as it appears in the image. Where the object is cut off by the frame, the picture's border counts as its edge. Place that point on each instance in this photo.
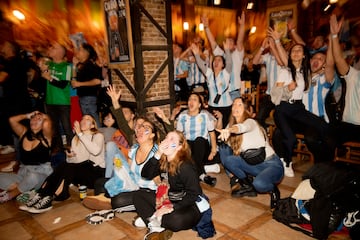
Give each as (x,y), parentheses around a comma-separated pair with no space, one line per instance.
(132,167)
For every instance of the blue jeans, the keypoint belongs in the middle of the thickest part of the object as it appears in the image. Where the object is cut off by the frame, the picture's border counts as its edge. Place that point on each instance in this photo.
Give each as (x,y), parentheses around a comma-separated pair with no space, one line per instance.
(88,106)
(28,177)
(225,151)
(267,174)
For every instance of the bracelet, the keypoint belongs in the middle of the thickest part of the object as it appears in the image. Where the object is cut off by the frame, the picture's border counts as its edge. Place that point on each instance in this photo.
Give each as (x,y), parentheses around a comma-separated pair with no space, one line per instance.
(292,30)
(334,36)
(74,78)
(80,134)
(277,41)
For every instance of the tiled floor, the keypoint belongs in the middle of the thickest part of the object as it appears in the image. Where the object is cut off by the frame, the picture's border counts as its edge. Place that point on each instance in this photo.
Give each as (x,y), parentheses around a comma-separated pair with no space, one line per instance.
(234,218)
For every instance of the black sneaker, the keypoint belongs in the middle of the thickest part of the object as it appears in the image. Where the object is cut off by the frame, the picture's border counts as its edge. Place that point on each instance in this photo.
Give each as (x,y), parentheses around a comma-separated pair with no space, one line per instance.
(210,180)
(234,184)
(29,204)
(43,205)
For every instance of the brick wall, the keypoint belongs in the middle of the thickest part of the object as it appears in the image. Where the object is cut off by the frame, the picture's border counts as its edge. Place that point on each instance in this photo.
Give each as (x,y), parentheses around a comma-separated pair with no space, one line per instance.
(151,59)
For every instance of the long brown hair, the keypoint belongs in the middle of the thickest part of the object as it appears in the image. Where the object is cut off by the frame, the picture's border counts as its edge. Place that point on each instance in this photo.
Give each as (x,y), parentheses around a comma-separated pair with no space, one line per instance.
(235,140)
(183,155)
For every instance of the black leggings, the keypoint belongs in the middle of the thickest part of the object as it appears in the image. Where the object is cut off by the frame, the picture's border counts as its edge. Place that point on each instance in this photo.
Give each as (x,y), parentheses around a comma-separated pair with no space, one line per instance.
(78,173)
(179,219)
(200,150)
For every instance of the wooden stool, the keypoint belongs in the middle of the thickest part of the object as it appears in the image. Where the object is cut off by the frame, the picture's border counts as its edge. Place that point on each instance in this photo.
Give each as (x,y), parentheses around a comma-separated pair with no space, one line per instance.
(301,148)
(352,154)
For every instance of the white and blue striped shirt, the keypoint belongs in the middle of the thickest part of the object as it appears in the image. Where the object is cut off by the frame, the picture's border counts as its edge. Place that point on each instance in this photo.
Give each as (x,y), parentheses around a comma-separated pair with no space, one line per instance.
(195,76)
(137,168)
(314,98)
(195,126)
(222,82)
(272,70)
(180,66)
(237,62)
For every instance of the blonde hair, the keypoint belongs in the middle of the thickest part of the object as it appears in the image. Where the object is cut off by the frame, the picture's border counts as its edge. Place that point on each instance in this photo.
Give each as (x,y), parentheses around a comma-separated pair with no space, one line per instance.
(183,155)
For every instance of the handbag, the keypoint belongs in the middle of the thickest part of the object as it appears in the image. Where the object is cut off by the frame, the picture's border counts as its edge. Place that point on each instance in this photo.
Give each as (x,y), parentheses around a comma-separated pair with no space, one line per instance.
(254,156)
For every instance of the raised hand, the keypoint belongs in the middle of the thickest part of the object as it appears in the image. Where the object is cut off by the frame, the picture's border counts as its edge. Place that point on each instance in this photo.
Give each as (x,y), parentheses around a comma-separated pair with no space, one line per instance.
(194,48)
(241,19)
(205,21)
(160,113)
(77,128)
(291,24)
(273,34)
(335,26)
(113,94)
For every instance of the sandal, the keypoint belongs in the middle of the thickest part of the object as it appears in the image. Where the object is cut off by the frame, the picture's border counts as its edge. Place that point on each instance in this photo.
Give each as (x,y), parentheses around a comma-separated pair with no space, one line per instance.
(99,217)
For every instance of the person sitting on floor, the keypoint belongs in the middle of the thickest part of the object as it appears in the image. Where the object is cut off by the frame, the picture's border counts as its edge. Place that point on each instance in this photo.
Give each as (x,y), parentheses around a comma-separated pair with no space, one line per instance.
(84,164)
(113,193)
(35,150)
(177,204)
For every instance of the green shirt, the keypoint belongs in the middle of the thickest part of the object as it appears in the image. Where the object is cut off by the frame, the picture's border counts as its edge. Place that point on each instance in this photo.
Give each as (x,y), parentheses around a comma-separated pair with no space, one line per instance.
(56,95)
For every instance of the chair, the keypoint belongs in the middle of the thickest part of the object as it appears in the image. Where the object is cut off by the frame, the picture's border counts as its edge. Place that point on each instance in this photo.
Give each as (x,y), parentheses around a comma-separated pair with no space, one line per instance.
(271,125)
(301,149)
(352,153)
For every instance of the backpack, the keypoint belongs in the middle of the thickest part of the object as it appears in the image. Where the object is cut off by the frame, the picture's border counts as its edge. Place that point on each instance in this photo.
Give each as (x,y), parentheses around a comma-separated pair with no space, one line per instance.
(286,212)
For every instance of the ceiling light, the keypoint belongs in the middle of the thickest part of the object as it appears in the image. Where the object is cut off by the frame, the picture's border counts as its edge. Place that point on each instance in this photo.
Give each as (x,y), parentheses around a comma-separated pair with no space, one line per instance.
(19,15)
(253,29)
(333,1)
(186,26)
(250,5)
(217,2)
(201,27)
(327,7)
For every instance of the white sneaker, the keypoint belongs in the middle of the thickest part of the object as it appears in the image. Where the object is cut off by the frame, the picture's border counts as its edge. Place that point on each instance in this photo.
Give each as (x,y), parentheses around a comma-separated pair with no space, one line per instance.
(213,168)
(139,223)
(7,149)
(288,171)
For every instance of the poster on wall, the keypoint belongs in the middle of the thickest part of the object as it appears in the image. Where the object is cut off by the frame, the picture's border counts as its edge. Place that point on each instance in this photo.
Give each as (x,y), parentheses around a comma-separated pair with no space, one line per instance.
(278,17)
(118,31)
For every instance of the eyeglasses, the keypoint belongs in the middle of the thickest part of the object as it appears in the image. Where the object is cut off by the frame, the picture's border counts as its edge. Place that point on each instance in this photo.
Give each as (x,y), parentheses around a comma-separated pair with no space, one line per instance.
(146,127)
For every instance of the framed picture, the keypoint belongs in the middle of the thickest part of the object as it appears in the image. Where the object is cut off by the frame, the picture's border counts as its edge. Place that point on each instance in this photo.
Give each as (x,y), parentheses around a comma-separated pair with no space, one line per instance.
(118,32)
(278,17)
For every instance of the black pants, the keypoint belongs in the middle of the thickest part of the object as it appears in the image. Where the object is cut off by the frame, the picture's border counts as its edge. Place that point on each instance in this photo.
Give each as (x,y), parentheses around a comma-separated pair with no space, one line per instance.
(294,118)
(265,107)
(60,115)
(200,150)
(77,173)
(180,219)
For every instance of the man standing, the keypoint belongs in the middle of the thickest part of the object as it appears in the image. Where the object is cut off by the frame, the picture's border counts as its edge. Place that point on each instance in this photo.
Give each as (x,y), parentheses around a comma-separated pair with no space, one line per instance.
(57,72)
